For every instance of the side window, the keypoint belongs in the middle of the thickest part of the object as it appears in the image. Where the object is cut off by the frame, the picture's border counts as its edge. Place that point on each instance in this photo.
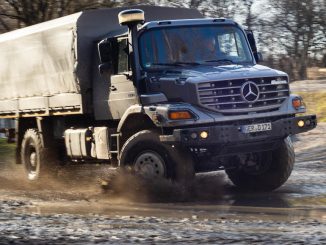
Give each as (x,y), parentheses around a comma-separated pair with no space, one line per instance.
(228,44)
(122,56)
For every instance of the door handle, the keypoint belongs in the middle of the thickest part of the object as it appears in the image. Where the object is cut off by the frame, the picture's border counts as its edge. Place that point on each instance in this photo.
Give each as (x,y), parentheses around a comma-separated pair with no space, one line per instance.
(113,88)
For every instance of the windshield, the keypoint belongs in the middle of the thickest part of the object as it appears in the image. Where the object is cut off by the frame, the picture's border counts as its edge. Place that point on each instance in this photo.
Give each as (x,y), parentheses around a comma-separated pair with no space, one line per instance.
(194,45)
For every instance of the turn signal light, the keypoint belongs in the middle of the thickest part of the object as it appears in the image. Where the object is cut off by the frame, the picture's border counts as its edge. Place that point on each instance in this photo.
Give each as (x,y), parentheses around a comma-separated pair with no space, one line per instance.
(180,115)
(297,102)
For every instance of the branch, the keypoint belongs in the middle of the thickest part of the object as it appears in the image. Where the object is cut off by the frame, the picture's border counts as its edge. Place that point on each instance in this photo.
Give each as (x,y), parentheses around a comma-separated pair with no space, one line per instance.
(11,16)
(5,25)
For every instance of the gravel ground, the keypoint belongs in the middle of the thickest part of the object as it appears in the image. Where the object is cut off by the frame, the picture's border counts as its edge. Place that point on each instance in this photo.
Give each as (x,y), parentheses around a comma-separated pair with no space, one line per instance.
(34,228)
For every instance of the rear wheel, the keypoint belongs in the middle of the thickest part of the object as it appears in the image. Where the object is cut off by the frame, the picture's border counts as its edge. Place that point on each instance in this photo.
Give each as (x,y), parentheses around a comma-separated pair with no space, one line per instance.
(263,171)
(152,159)
(37,160)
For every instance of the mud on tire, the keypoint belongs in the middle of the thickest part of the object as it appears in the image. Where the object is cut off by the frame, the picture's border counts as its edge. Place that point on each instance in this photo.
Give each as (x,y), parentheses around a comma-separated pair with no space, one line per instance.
(38,162)
(145,153)
(279,168)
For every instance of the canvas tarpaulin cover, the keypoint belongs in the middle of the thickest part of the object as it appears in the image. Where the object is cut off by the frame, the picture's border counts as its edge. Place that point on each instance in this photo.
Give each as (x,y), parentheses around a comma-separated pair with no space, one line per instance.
(55,57)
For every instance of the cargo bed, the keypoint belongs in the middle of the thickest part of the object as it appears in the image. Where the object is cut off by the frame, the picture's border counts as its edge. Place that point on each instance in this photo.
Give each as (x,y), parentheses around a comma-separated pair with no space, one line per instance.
(48,69)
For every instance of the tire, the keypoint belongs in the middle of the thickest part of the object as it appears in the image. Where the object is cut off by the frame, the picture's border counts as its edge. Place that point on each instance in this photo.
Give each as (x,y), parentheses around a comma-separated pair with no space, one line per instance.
(150,158)
(37,161)
(275,168)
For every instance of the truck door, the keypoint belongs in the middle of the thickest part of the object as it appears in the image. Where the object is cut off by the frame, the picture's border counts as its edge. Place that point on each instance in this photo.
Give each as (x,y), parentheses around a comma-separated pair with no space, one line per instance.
(122,93)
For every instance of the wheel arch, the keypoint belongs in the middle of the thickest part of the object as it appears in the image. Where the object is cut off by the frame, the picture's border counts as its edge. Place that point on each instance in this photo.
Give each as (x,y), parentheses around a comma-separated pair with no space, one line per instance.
(133,121)
(179,164)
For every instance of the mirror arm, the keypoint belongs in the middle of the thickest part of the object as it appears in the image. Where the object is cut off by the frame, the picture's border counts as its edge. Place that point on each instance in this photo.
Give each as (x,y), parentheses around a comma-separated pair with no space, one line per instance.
(105,67)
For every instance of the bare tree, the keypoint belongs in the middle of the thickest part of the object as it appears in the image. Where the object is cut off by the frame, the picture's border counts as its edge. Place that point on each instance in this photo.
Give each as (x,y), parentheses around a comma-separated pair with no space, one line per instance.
(295,28)
(220,8)
(19,13)
(186,4)
(292,31)
(29,12)
(210,8)
(250,17)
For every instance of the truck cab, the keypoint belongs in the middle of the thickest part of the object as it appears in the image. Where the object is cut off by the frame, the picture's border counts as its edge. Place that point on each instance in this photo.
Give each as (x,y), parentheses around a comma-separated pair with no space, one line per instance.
(198,86)
(166,98)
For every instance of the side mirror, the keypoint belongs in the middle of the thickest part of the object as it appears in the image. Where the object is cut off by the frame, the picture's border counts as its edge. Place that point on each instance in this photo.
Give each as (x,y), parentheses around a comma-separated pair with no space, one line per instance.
(260,57)
(252,43)
(105,51)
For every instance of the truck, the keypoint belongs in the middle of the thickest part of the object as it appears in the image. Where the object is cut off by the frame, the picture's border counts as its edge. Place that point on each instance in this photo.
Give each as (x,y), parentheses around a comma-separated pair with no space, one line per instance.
(162,91)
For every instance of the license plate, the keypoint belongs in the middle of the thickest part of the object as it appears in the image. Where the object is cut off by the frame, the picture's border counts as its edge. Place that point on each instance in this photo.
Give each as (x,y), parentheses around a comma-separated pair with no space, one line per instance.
(260,127)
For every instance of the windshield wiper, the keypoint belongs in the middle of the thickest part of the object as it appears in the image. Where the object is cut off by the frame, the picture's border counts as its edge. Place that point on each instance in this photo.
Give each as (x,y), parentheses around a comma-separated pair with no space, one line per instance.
(178,63)
(221,61)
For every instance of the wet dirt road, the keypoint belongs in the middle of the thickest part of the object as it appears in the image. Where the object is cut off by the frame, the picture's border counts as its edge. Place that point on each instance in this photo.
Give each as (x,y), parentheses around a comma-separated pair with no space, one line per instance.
(75,210)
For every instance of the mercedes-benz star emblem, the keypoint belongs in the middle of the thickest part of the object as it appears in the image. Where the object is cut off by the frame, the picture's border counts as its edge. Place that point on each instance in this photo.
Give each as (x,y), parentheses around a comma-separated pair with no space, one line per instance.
(250,92)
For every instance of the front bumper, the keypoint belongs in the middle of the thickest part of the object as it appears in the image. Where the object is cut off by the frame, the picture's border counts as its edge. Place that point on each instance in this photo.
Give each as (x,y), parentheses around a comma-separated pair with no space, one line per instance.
(232,134)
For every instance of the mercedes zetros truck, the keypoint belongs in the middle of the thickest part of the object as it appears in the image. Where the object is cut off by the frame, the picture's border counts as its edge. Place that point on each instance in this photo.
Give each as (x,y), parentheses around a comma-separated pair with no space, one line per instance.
(160,90)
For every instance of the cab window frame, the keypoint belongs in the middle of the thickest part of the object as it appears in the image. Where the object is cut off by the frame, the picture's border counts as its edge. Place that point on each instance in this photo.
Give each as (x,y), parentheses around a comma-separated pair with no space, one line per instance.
(240,30)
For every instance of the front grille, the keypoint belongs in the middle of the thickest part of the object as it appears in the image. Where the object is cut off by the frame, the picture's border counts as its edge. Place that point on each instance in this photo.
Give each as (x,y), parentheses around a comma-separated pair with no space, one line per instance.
(226,96)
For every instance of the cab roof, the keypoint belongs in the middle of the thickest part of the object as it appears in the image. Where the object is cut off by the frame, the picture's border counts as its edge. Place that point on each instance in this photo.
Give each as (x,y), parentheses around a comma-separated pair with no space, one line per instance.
(187,22)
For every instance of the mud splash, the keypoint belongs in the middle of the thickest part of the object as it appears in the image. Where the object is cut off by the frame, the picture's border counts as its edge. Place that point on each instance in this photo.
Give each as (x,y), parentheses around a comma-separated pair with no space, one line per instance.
(100,181)
(138,189)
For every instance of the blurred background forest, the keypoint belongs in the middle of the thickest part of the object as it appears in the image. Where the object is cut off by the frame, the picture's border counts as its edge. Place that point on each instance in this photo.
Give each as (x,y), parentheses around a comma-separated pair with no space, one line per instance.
(291,34)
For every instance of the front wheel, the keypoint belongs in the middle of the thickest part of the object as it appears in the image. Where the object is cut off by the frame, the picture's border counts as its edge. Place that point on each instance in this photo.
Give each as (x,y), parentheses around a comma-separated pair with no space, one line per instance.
(263,171)
(151,159)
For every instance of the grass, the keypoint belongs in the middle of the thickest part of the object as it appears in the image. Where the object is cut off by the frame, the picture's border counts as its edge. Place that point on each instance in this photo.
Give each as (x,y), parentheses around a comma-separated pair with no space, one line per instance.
(316,103)
(6,150)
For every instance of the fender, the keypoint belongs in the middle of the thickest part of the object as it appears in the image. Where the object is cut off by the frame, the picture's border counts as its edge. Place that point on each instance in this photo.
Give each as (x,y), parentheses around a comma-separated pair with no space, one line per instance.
(132,110)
